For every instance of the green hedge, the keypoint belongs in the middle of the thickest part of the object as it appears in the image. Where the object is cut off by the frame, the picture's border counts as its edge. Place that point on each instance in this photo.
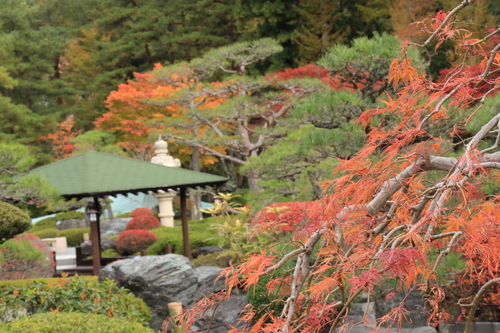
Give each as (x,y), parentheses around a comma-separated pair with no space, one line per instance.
(46,233)
(200,234)
(48,223)
(15,284)
(74,237)
(73,322)
(74,294)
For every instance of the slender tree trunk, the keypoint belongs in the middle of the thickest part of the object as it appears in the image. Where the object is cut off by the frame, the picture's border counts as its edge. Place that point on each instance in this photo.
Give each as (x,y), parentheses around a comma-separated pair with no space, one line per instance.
(29,102)
(148,54)
(325,31)
(252,180)
(195,166)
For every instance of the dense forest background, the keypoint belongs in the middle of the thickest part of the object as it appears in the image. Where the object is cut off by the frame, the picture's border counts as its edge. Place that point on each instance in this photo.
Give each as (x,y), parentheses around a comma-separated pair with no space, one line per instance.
(264,92)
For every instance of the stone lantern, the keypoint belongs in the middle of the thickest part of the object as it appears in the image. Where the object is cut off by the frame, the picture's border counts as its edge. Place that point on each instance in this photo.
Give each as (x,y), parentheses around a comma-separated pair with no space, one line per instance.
(165,198)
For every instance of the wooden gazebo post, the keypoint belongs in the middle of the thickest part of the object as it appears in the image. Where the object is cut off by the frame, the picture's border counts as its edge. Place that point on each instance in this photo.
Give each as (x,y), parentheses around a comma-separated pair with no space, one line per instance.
(95,231)
(184,218)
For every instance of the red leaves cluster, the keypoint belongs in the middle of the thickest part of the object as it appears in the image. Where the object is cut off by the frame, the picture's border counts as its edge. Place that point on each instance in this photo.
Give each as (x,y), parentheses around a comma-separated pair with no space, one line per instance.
(400,262)
(143,222)
(60,139)
(132,241)
(367,280)
(143,218)
(287,216)
(141,211)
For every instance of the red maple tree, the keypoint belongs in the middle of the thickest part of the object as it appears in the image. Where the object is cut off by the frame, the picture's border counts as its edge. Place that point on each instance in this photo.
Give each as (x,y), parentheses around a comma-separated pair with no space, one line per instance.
(393,205)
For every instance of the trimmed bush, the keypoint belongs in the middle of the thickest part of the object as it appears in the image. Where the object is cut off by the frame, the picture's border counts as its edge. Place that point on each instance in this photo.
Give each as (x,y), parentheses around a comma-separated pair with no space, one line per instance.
(70,215)
(74,323)
(220,259)
(75,294)
(25,256)
(16,284)
(46,233)
(109,253)
(74,237)
(13,221)
(132,241)
(141,211)
(48,223)
(143,222)
(200,234)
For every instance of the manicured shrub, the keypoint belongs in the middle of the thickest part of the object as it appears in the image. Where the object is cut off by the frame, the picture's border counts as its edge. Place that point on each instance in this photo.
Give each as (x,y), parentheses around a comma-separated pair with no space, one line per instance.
(70,215)
(75,294)
(74,237)
(13,221)
(200,234)
(46,233)
(25,256)
(143,222)
(48,223)
(17,284)
(132,241)
(220,259)
(109,253)
(141,211)
(75,323)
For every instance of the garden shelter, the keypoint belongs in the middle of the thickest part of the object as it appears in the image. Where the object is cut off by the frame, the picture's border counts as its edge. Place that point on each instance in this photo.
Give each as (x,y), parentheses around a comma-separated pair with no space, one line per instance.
(95,174)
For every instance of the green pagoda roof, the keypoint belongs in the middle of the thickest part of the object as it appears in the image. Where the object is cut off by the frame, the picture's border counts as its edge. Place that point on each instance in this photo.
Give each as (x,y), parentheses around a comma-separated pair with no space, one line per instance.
(98,174)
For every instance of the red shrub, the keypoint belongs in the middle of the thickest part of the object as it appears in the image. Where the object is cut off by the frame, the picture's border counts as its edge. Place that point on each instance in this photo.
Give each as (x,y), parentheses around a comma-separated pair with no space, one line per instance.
(289,215)
(141,211)
(143,222)
(132,241)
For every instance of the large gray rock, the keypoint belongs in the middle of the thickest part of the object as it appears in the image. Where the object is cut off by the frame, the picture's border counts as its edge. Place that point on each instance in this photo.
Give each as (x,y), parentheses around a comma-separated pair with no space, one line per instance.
(113,227)
(106,243)
(160,280)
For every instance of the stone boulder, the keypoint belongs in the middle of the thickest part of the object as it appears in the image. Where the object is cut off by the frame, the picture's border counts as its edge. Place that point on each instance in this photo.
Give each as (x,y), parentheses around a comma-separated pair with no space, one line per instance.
(113,227)
(71,224)
(106,243)
(160,280)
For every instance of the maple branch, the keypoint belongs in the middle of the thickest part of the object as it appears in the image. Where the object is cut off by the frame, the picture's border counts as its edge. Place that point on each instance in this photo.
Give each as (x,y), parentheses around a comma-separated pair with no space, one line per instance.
(495,145)
(212,126)
(439,105)
(212,151)
(484,39)
(393,185)
(464,3)
(446,251)
(475,303)
(490,62)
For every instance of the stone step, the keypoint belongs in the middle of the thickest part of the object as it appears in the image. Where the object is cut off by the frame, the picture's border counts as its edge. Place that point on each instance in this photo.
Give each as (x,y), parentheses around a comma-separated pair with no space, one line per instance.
(65,261)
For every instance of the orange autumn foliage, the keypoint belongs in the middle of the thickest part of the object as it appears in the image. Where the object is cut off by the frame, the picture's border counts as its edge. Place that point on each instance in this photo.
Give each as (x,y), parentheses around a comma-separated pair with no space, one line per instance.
(397,208)
(60,140)
(134,117)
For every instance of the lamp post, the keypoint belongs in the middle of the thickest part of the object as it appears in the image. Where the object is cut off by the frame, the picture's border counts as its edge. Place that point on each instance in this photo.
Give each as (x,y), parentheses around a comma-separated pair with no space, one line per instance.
(93,213)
